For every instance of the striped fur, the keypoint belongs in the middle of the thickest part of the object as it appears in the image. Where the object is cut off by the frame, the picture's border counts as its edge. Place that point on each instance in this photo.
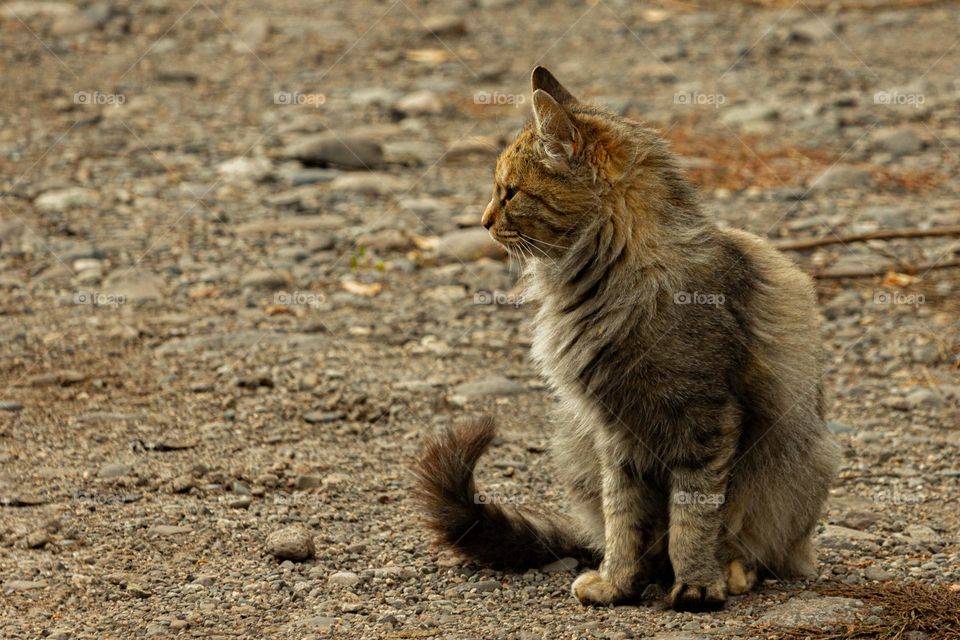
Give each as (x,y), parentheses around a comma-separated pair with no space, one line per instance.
(686,359)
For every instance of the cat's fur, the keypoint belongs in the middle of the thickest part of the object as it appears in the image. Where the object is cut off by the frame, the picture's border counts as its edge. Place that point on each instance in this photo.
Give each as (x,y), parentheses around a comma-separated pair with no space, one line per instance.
(687,363)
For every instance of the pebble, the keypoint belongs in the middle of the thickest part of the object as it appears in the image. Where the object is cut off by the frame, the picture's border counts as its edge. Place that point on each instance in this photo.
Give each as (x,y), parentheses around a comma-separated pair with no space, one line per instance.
(841,176)
(61,200)
(748,114)
(445,25)
(336,150)
(874,572)
(114,470)
(898,142)
(468,245)
(490,386)
(344,579)
(266,279)
(24,585)
(420,103)
(135,285)
(291,543)
(245,168)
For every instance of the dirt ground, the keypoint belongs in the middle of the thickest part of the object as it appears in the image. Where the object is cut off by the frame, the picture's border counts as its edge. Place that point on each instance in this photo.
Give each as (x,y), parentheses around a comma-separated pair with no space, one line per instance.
(241,276)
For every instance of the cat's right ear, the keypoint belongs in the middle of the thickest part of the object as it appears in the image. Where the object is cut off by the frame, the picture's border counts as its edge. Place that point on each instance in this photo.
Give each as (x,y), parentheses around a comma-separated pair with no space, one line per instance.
(557,134)
(544,80)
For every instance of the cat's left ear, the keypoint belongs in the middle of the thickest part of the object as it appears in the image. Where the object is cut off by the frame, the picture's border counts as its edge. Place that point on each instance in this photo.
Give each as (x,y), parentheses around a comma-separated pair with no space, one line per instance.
(558,135)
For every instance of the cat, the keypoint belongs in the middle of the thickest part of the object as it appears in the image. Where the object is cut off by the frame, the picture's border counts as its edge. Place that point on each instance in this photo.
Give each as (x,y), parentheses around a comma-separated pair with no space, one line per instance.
(688,367)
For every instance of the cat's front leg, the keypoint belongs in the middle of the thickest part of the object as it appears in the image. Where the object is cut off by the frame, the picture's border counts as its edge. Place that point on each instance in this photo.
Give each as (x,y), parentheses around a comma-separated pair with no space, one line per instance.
(627,505)
(696,502)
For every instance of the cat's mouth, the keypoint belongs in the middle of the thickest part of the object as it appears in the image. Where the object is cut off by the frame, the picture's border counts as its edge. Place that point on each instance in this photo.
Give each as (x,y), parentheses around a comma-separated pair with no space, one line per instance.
(506,238)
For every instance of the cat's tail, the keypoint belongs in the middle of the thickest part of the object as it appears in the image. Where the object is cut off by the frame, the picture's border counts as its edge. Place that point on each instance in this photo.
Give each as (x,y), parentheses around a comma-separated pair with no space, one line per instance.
(491,530)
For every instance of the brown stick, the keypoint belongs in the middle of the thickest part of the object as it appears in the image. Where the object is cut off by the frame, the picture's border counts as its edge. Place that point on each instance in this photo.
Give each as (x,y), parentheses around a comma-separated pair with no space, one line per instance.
(923,267)
(791,244)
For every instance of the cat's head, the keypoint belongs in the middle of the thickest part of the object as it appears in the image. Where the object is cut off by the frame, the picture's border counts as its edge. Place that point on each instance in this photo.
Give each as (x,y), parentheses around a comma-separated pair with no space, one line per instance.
(569,160)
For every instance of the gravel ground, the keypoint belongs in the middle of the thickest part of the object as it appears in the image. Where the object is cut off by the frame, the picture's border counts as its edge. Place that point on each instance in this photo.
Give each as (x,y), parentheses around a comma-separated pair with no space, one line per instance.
(242,277)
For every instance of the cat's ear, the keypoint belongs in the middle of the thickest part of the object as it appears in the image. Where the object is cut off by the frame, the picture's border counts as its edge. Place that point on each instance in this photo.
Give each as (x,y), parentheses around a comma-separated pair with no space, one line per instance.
(559,136)
(544,80)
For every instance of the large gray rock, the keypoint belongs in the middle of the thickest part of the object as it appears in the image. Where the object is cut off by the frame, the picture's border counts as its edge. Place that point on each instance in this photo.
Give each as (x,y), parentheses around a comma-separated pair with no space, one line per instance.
(337,150)
(814,611)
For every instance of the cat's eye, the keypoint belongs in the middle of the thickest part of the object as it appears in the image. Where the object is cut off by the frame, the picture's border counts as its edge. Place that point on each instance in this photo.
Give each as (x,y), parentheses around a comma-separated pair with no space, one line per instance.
(509,192)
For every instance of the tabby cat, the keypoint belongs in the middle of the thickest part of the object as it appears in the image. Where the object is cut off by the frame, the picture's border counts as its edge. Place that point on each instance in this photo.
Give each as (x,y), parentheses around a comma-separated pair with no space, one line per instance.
(687,362)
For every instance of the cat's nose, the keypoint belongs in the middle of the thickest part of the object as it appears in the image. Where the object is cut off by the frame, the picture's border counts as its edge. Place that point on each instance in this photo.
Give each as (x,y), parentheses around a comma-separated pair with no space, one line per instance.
(487,219)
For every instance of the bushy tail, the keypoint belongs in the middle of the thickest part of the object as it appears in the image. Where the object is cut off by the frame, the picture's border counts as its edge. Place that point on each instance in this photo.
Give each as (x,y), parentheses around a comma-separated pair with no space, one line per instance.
(480,527)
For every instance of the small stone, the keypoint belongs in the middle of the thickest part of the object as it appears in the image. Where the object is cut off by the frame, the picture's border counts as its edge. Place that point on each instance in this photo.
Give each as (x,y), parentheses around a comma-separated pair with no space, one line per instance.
(490,386)
(898,142)
(344,579)
(468,245)
(23,585)
(922,398)
(113,470)
(921,533)
(839,427)
(321,417)
(37,539)
(352,607)
(561,565)
(244,168)
(385,240)
(134,285)
(60,200)
(243,502)
(447,25)
(182,483)
(166,530)
(206,579)
(266,279)
(485,586)
(420,103)
(251,36)
(72,25)
(138,590)
(291,543)
(841,176)
(873,572)
(307,482)
(329,149)
(370,184)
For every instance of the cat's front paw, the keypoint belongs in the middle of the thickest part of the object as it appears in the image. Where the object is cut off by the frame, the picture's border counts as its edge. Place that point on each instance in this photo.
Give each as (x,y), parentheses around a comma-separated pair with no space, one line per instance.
(592,588)
(696,595)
